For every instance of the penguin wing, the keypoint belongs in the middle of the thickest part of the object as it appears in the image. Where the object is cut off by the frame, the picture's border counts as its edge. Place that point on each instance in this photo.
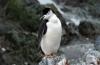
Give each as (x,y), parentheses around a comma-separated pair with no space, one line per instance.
(42,29)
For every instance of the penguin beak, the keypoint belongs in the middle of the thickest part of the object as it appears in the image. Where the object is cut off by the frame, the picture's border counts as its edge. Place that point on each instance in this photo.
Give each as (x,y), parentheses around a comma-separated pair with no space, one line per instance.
(42,17)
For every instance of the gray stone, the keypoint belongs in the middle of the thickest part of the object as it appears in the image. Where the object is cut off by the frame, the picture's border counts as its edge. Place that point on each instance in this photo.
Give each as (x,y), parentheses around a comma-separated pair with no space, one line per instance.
(57,60)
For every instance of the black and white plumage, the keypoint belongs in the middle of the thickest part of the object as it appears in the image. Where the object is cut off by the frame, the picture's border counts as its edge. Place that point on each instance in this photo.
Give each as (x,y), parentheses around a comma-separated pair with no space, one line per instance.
(50,32)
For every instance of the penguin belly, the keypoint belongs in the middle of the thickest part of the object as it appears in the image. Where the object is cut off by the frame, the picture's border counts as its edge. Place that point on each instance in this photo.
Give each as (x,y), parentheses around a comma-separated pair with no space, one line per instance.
(50,42)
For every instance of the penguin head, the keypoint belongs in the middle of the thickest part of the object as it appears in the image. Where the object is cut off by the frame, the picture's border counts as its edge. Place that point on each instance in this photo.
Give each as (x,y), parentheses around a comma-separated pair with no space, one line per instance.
(47,12)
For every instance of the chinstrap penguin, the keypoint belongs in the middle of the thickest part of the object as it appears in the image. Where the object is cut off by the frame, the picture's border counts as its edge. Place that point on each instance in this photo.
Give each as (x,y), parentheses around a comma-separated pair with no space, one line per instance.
(50,32)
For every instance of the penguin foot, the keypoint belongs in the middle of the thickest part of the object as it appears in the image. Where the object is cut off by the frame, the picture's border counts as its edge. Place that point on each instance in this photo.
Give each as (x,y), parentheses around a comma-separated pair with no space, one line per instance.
(52,55)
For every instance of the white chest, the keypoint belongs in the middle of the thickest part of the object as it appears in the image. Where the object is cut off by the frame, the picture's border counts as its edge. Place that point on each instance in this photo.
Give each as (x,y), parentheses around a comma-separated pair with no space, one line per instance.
(54,27)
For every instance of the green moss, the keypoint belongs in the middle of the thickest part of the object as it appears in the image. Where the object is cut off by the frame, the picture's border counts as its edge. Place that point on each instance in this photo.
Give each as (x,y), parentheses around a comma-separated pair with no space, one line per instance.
(23,47)
(28,16)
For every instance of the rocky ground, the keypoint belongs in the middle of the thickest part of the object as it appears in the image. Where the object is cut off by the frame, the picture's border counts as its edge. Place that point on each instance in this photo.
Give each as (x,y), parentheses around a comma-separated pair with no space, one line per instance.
(19,22)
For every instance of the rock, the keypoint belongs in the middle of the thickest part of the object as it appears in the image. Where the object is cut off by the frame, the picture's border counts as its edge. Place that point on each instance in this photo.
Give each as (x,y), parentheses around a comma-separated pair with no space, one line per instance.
(93,52)
(3,49)
(72,27)
(76,49)
(73,30)
(91,59)
(97,43)
(57,60)
(71,34)
(92,56)
(71,2)
(86,29)
(95,10)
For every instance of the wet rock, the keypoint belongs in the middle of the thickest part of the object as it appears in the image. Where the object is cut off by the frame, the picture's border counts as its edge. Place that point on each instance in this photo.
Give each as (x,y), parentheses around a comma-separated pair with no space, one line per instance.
(86,29)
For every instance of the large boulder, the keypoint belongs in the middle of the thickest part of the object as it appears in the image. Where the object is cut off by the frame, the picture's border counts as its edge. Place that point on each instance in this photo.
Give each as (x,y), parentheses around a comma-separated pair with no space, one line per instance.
(86,29)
